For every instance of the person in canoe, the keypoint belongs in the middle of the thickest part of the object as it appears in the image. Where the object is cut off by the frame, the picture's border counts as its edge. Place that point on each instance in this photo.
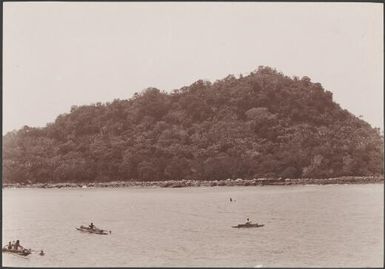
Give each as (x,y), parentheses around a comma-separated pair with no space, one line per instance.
(41,253)
(9,245)
(17,245)
(248,221)
(91,226)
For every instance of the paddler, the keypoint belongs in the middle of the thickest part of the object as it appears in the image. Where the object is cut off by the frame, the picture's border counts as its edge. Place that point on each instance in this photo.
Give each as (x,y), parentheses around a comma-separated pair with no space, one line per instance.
(91,226)
(248,221)
(41,253)
(17,245)
(9,245)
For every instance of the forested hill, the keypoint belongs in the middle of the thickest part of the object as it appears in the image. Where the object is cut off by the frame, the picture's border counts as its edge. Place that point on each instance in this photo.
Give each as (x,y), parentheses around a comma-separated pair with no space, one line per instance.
(261,125)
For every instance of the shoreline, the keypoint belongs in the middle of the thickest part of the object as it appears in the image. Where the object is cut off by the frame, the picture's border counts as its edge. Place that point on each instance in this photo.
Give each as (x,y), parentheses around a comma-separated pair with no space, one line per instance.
(206,183)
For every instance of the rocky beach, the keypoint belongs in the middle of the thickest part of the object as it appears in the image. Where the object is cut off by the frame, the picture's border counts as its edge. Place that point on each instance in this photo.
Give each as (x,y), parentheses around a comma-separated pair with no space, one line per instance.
(205,183)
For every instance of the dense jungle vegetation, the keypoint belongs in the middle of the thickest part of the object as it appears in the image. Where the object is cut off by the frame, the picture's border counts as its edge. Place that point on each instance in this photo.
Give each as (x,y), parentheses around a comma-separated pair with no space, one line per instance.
(264,124)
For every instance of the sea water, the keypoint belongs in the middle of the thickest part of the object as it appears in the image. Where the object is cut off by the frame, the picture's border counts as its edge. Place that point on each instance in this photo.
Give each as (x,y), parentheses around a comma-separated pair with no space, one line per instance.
(305,226)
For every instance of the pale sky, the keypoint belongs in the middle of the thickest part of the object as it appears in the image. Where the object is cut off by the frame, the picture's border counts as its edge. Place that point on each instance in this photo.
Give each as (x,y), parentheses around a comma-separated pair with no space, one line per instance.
(60,54)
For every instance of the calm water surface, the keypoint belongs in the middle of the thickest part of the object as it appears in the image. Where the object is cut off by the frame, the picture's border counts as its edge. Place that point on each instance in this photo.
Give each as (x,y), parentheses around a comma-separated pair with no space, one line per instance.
(306,226)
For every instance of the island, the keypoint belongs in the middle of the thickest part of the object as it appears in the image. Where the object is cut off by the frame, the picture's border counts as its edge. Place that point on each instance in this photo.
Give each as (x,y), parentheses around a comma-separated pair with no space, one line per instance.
(264,128)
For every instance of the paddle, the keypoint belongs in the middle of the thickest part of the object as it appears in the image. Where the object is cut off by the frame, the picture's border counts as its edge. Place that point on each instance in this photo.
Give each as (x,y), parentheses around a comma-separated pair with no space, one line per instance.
(41,252)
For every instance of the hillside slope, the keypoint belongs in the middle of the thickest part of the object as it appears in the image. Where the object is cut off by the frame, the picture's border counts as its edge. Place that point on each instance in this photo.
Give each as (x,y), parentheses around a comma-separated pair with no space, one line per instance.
(261,125)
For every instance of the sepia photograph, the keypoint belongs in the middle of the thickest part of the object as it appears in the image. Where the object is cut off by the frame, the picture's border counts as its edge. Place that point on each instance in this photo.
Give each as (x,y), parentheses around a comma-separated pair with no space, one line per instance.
(192,134)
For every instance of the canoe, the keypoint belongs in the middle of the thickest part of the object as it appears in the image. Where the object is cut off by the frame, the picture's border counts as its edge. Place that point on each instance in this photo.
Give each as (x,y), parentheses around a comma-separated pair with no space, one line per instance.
(24,252)
(251,225)
(92,231)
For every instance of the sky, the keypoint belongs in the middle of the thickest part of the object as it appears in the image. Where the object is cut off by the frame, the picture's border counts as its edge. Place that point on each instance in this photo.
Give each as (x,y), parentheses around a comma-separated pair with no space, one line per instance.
(59,54)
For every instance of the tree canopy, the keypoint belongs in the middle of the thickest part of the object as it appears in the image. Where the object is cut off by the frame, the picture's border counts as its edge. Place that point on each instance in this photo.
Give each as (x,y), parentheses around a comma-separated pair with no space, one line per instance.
(264,124)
